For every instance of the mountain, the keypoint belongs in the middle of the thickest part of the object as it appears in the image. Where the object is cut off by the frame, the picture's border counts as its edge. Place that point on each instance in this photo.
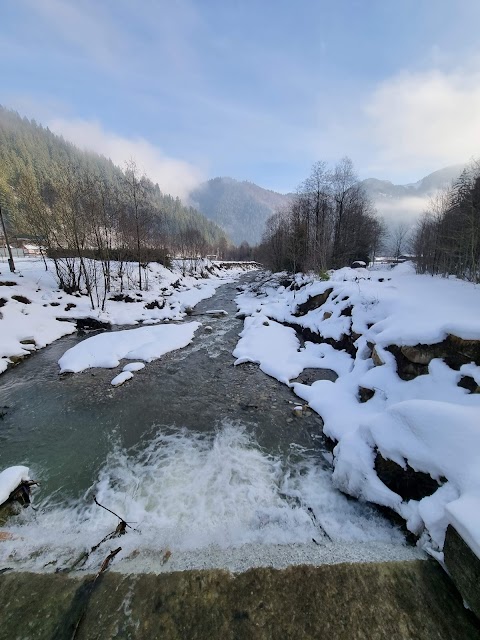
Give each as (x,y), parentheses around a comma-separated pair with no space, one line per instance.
(29,150)
(240,208)
(404,202)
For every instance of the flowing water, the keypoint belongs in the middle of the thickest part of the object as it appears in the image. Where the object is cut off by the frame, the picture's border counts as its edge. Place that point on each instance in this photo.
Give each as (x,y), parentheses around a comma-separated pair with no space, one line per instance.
(200,456)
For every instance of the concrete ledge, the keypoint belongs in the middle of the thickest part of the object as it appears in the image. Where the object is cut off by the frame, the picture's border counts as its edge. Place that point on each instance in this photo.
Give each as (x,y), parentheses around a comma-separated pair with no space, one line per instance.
(377,601)
(464,568)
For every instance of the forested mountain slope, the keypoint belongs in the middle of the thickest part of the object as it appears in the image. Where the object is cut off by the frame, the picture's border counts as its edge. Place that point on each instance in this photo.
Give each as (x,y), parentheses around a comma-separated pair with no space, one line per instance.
(240,208)
(30,152)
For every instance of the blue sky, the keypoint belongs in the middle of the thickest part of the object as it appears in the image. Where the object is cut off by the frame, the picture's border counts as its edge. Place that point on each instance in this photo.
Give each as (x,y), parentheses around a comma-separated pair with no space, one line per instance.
(254,90)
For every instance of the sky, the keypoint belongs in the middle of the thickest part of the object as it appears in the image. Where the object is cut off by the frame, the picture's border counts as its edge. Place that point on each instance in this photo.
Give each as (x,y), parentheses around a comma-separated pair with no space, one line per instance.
(256,90)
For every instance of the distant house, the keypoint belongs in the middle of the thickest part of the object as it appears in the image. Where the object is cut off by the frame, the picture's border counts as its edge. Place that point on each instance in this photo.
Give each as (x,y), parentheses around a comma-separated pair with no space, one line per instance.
(32,250)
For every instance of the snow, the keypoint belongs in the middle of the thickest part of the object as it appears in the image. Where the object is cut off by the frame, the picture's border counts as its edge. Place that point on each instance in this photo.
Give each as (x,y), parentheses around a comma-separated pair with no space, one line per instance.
(429,422)
(51,313)
(107,349)
(259,343)
(216,312)
(134,366)
(10,479)
(121,378)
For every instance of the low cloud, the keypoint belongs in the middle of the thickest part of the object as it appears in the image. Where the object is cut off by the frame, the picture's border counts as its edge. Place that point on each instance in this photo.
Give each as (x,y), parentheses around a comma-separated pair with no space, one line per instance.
(173,176)
(429,118)
(406,209)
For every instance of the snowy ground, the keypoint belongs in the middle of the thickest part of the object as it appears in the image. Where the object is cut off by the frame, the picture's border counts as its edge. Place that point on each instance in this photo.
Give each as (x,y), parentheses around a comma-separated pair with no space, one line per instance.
(31,304)
(429,422)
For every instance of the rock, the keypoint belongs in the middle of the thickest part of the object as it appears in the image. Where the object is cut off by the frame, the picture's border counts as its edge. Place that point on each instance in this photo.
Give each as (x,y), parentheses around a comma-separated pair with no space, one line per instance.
(216,313)
(464,568)
(22,299)
(16,359)
(377,361)
(420,354)
(406,369)
(122,297)
(327,315)
(208,329)
(28,341)
(347,311)
(469,383)
(70,305)
(91,324)
(313,302)
(408,483)
(309,376)
(365,394)
(155,304)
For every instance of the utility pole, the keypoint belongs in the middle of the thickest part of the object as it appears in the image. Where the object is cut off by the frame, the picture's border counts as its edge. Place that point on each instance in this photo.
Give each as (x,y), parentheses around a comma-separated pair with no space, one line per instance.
(11,264)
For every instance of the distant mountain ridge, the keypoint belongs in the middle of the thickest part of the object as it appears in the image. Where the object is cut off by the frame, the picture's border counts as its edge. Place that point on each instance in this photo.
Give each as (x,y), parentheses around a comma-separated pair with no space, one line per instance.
(241,208)
(425,187)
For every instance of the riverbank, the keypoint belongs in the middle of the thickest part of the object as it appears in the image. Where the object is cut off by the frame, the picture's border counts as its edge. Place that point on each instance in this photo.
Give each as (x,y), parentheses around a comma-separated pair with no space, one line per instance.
(404,412)
(208,461)
(34,312)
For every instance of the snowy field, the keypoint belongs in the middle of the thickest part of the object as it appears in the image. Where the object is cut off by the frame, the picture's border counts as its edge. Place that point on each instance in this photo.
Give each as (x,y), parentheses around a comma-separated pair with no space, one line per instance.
(34,311)
(429,422)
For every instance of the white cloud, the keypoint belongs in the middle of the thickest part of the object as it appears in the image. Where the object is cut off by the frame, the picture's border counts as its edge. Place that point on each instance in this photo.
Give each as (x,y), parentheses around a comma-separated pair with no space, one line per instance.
(425,118)
(174,176)
(84,25)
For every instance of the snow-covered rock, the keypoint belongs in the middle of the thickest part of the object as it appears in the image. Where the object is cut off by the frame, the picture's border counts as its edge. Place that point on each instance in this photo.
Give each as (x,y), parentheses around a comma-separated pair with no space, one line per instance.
(428,422)
(105,350)
(10,479)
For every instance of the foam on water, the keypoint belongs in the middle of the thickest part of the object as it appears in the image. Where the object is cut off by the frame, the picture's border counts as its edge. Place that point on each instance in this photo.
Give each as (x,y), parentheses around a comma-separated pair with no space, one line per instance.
(188,492)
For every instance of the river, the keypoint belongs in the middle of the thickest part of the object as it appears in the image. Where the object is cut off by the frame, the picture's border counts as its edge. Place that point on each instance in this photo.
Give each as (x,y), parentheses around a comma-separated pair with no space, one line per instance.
(202,457)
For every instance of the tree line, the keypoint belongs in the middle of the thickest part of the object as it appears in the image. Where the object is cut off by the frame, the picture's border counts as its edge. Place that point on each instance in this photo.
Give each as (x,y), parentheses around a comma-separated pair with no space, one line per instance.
(446,240)
(329,224)
(78,206)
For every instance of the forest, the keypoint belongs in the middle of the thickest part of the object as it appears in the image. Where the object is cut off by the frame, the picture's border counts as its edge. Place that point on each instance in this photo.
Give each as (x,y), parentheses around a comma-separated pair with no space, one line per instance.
(78,205)
(329,224)
(446,240)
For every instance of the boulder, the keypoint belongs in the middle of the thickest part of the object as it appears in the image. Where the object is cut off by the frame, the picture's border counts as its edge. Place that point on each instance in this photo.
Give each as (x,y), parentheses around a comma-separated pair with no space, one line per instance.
(406,482)
(91,324)
(314,302)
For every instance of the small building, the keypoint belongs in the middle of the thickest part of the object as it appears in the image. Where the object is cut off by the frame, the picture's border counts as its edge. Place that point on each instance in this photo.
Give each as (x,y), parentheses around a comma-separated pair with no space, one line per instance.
(32,250)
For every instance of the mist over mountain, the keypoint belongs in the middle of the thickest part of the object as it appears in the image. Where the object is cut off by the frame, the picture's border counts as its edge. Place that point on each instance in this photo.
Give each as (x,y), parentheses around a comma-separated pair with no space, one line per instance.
(240,208)
(405,202)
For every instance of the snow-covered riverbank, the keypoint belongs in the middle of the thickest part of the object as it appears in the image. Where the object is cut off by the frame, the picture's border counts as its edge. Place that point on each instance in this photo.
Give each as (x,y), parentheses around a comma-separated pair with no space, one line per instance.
(34,311)
(426,421)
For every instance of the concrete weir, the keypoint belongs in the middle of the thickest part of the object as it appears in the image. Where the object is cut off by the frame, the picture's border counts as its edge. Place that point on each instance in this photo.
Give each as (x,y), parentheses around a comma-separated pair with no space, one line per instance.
(370,601)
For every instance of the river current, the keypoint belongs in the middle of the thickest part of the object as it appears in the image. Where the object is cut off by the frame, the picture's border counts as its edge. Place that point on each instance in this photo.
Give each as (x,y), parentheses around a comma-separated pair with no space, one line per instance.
(195,453)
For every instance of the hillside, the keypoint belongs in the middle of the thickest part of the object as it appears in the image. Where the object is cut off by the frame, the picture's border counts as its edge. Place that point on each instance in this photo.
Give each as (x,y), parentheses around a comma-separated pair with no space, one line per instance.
(404,202)
(28,150)
(240,208)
